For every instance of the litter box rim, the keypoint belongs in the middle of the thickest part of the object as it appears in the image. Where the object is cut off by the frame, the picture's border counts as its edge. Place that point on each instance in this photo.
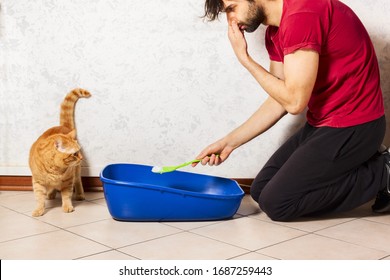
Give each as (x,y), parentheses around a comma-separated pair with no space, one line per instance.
(240,193)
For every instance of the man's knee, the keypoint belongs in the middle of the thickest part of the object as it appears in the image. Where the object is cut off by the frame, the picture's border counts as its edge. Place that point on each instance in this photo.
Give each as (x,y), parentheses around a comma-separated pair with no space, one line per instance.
(255,192)
(275,209)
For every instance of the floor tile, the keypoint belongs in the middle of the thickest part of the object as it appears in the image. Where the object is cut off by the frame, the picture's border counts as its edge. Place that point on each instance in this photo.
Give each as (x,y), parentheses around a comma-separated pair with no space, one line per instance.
(384,219)
(91,196)
(110,255)
(23,202)
(306,224)
(91,233)
(118,234)
(100,201)
(11,193)
(85,212)
(183,246)
(361,232)
(248,206)
(318,223)
(5,211)
(53,245)
(190,225)
(253,256)
(314,247)
(248,233)
(15,225)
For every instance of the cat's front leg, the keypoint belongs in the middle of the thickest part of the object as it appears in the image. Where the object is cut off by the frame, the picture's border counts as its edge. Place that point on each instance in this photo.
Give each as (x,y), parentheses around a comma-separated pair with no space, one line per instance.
(40,196)
(78,185)
(66,194)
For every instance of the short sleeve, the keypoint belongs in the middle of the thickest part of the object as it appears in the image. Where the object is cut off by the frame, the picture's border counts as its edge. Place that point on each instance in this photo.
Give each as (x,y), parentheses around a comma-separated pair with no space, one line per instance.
(302,30)
(273,53)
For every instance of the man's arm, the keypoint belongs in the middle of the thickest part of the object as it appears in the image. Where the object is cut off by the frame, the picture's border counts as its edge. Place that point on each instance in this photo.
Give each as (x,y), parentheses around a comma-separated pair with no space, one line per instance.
(269,113)
(264,118)
(300,73)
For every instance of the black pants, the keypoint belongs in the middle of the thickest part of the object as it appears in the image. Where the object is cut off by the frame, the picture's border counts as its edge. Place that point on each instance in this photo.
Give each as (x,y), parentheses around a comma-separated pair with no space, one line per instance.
(322,170)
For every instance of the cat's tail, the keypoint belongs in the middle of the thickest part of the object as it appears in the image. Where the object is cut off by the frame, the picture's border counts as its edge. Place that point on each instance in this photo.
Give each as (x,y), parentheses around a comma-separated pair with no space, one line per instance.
(68,105)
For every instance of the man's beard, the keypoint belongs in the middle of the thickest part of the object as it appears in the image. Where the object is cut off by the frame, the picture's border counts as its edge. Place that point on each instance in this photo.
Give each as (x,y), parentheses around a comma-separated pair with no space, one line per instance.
(255,17)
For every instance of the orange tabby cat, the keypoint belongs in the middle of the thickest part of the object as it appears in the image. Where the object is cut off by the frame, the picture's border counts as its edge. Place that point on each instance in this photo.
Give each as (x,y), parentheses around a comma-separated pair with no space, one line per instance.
(55,159)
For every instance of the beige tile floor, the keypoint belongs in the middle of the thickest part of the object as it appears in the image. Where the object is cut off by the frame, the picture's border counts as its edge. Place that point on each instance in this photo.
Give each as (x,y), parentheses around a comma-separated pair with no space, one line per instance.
(91,233)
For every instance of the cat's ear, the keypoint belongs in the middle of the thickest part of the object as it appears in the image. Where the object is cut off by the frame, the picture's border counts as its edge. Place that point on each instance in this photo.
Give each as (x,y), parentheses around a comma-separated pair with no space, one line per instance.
(61,147)
(73,134)
(58,144)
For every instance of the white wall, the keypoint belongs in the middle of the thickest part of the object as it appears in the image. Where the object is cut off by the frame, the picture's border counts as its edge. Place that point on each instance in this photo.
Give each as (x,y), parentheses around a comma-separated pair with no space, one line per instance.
(165,83)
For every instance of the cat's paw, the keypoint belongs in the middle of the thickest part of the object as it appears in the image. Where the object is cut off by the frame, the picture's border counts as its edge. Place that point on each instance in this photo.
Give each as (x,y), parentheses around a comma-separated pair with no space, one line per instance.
(38,212)
(79,197)
(67,208)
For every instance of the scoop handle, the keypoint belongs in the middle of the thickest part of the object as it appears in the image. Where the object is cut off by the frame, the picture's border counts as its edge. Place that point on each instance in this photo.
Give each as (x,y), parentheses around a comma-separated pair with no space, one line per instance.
(193,161)
(189,162)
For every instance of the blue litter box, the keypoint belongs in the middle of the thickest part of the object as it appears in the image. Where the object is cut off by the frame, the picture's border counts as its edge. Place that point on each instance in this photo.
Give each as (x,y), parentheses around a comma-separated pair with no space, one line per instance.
(134,193)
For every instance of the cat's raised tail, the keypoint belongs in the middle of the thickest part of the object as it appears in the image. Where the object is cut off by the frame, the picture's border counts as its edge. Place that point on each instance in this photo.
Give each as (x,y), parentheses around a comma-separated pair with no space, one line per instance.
(68,105)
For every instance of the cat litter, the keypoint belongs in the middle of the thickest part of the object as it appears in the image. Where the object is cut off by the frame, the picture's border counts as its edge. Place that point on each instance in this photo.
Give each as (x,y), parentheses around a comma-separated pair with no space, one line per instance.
(134,193)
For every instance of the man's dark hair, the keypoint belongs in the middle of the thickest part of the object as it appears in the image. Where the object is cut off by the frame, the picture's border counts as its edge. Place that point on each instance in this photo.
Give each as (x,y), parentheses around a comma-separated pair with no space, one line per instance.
(212,8)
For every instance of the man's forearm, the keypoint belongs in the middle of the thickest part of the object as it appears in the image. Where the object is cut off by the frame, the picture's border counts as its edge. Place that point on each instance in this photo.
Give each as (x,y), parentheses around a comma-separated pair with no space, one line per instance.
(269,113)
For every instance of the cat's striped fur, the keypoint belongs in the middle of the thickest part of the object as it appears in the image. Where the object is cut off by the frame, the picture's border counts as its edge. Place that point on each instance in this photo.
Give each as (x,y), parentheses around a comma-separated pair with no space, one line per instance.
(55,159)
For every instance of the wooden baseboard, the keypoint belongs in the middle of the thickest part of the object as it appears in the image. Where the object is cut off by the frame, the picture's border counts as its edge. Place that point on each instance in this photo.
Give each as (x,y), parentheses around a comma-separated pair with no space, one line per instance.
(23,183)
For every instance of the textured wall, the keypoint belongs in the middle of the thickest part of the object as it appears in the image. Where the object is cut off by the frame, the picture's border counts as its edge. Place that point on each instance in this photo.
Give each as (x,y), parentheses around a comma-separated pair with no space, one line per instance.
(165,83)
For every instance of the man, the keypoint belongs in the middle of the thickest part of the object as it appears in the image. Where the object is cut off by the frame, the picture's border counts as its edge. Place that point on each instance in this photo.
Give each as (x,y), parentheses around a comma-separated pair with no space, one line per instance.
(322,59)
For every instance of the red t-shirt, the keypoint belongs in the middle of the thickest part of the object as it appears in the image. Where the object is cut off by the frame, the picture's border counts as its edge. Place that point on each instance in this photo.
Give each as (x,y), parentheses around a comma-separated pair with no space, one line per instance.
(347,90)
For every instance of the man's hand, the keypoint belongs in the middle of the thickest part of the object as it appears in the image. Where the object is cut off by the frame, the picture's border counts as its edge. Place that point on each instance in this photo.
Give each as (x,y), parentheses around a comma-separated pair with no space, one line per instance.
(215,153)
(238,42)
